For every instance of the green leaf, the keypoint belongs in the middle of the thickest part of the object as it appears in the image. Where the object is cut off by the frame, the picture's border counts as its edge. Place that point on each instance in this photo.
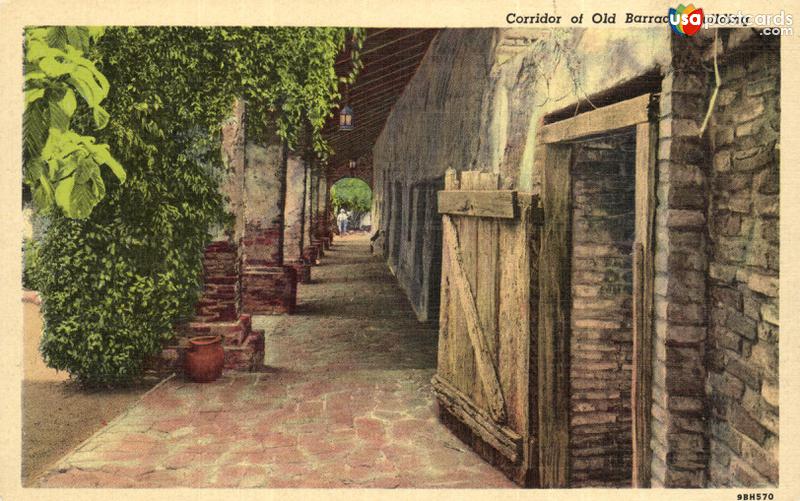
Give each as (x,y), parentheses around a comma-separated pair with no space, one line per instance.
(64,195)
(78,37)
(32,95)
(56,36)
(35,126)
(38,49)
(43,194)
(68,103)
(102,155)
(82,200)
(59,119)
(54,68)
(100,116)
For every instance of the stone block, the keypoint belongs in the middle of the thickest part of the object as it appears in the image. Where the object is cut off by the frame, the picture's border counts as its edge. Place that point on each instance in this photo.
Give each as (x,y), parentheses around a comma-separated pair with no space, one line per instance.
(680,334)
(749,108)
(769,313)
(760,460)
(726,385)
(765,356)
(745,372)
(741,325)
(743,422)
(767,181)
(682,219)
(727,296)
(744,475)
(684,314)
(766,205)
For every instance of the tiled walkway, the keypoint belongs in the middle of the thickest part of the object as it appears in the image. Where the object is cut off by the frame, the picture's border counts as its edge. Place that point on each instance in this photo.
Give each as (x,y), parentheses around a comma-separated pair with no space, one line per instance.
(345,401)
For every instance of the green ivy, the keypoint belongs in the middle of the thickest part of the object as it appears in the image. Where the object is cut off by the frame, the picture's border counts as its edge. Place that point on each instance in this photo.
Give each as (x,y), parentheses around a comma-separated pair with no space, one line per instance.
(115,283)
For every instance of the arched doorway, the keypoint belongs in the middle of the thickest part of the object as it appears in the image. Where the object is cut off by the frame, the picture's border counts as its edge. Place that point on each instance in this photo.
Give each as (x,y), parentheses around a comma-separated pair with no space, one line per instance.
(351,197)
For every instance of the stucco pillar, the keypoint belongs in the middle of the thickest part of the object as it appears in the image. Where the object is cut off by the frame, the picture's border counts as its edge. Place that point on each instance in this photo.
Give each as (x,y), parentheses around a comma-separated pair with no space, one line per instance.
(267,286)
(321,231)
(293,216)
(218,310)
(220,298)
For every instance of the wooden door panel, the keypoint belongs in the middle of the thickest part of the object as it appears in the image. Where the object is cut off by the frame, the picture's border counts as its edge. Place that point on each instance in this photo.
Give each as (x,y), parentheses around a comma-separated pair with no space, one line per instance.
(484,343)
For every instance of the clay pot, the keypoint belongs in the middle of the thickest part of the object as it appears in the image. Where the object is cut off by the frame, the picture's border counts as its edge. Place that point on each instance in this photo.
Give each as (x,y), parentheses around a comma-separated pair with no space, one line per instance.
(204,359)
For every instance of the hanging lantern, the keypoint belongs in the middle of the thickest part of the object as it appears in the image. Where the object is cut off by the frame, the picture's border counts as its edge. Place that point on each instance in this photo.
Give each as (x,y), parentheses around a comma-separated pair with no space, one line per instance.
(346,118)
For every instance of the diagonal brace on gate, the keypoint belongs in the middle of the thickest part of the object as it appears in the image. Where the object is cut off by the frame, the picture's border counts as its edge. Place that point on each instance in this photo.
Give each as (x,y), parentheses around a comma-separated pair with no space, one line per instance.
(487,370)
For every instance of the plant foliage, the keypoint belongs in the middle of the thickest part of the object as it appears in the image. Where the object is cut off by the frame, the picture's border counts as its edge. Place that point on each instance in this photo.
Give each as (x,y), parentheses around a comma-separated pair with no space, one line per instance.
(352,195)
(61,166)
(116,282)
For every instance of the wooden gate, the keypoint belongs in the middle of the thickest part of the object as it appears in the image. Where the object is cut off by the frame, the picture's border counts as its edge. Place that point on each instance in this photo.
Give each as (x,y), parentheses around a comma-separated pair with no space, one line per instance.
(482,382)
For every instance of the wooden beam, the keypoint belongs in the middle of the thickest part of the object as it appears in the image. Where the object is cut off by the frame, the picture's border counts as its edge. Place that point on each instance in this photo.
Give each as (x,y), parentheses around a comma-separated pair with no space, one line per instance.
(554,318)
(494,204)
(393,54)
(485,366)
(349,136)
(360,128)
(602,120)
(402,80)
(370,50)
(375,71)
(407,71)
(502,438)
(368,100)
(643,290)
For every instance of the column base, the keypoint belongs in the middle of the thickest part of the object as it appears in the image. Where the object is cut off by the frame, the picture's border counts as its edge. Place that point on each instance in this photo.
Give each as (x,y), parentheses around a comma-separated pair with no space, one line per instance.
(243,347)
(268,290)
(303,271)
(318,244)
(311,255)
(218,303)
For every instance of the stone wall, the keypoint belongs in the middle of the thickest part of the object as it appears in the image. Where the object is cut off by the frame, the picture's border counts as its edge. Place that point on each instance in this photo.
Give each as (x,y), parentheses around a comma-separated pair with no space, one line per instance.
(742,383)
(601,342)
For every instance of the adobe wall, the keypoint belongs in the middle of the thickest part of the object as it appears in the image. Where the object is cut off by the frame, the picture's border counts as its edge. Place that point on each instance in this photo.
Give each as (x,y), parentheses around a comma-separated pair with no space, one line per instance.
(475,104)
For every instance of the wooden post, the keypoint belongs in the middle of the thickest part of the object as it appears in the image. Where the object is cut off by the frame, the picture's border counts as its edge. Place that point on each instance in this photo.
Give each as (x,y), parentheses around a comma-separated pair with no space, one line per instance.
(643,284)
(554,319)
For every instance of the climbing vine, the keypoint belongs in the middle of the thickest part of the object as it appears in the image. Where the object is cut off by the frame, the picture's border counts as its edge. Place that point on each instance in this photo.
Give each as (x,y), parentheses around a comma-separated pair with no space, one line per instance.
(115,282)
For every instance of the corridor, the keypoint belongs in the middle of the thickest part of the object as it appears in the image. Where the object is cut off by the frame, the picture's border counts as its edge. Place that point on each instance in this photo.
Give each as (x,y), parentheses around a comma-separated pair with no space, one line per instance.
(344,401)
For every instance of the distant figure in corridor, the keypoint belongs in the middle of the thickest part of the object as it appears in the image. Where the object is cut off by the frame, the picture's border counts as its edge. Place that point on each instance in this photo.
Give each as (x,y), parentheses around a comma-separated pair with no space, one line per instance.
(341,219)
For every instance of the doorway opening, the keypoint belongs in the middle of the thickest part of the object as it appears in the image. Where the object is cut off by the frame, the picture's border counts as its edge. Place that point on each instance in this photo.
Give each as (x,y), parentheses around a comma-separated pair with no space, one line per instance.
(351,203)
(601,342)
(596,297)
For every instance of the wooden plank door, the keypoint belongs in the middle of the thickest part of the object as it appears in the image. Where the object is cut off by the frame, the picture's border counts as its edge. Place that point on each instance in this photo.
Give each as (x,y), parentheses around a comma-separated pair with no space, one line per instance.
(484,324)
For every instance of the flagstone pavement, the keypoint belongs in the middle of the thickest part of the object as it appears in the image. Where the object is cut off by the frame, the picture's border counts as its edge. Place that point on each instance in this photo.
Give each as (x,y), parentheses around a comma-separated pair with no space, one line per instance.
(344,401)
